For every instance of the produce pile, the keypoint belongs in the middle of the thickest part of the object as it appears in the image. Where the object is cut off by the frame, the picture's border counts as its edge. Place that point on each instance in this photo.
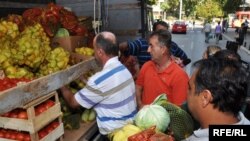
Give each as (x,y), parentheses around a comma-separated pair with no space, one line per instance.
(25,136)
(52,18)
(26,51)
(159,121)
(28,54)
(14,135)
(20,114)
(7,83)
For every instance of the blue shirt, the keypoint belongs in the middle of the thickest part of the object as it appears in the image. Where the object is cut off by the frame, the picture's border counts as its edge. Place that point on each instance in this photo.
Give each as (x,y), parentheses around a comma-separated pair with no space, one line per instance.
(139,48)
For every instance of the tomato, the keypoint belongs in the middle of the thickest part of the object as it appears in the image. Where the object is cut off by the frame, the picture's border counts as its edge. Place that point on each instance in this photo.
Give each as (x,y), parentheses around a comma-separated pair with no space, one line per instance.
(20,136)
(27,137)
(49,103)
(49,128)
(55,124)
(13,114)
(7,134)
(13,135)
(22,114)
(42,133)
(1,133)
(40,109)
(6,114)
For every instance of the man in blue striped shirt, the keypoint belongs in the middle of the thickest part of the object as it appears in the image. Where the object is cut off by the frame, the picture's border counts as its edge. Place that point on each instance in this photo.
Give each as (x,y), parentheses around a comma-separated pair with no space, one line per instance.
(111,92)
(139,47)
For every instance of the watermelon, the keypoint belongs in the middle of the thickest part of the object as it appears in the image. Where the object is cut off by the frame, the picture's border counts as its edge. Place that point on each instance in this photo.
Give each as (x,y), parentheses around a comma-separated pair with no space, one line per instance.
(62,32)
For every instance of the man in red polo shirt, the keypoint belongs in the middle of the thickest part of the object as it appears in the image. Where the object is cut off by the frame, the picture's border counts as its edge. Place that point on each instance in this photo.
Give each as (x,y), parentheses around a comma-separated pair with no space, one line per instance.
(161,74)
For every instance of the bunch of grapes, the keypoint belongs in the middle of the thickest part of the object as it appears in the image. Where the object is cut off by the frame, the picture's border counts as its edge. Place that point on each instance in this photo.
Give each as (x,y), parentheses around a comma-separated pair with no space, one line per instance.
(56,60)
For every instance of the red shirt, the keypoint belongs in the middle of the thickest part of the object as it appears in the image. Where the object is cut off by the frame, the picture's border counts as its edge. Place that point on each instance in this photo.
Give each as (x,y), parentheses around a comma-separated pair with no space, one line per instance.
(173,81)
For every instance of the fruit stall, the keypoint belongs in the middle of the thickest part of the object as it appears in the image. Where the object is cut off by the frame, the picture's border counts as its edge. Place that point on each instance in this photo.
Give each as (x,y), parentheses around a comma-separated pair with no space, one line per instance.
(39,55)
(45,48)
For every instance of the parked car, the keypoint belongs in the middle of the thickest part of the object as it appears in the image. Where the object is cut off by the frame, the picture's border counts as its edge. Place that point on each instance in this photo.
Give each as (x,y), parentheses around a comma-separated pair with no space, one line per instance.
(179,27)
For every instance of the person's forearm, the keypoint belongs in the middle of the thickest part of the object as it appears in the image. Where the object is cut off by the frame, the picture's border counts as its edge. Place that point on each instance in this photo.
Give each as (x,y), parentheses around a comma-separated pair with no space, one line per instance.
(69,97)
(139,97)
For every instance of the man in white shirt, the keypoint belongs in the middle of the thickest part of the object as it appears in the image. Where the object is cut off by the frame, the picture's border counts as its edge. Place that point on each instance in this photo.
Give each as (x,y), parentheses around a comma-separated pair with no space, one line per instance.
(207,30)
(111,92)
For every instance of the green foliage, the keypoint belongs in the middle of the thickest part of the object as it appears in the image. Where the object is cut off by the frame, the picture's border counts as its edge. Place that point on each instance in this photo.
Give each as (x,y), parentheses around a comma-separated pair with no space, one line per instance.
(230,6)
(152,2)
(209,9)
(189,7)
(165,6)
(201,8)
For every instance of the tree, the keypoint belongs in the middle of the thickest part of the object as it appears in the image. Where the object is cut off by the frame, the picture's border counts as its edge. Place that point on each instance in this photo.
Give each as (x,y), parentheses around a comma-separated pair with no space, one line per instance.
(230,6)
(174,6)
(170,6)
(209,9)
(165,7)
(189,6)
(152,2)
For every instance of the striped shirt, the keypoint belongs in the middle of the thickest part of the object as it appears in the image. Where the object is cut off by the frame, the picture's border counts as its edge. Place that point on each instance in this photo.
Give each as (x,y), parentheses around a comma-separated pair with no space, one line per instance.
(139,48)
(111,92)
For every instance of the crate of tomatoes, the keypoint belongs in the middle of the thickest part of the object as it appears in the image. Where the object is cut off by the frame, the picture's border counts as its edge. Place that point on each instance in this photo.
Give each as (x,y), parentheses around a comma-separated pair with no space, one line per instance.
(7,83)
(39,118)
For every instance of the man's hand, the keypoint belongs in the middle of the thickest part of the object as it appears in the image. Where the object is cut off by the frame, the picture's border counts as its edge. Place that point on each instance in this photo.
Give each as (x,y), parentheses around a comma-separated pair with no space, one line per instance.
(69,97)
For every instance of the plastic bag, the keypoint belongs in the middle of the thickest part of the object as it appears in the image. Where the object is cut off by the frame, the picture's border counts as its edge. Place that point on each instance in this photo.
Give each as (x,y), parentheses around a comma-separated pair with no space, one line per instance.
(220,37)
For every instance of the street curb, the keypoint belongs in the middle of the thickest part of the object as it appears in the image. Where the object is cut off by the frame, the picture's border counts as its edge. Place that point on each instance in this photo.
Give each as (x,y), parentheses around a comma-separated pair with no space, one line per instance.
(241,47)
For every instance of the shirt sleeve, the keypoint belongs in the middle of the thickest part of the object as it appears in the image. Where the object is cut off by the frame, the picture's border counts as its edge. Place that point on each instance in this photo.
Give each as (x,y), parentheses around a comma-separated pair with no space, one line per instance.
(134,47)
(177,51)
(89,96)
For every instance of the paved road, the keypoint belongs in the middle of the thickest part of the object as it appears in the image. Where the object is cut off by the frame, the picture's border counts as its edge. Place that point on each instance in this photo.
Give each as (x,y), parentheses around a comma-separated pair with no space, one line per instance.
(244,50)
(193,43)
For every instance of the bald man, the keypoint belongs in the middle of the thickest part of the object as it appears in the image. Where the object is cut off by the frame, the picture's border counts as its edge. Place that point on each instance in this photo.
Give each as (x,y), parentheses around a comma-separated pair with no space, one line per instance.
(111,92)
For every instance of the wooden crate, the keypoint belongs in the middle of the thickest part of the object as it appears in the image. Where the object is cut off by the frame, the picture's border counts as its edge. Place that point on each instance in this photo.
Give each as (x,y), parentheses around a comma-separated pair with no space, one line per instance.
(56,134)
(22,94)
(34,123)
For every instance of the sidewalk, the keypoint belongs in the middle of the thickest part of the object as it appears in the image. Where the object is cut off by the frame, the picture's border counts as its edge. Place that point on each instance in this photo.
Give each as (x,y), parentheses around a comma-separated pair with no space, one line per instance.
(230,34)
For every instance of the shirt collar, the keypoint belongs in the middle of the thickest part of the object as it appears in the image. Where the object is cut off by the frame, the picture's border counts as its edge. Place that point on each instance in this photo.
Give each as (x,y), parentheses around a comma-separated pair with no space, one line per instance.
(111,61)
(201,133)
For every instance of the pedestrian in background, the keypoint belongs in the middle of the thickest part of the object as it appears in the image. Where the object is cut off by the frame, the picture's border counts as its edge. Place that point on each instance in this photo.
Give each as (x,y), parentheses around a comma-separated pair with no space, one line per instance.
(240,34)
(218,32)
(207,30)
(246,23)
(224,25)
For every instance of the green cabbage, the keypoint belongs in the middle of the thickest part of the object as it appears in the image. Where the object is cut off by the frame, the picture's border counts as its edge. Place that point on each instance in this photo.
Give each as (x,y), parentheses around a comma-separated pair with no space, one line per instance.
(152,115)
